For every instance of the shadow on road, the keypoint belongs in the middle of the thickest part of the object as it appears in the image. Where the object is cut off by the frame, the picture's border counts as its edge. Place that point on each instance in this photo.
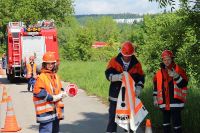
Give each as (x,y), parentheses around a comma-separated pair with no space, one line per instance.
(4,80)
(26,92)
(93,123)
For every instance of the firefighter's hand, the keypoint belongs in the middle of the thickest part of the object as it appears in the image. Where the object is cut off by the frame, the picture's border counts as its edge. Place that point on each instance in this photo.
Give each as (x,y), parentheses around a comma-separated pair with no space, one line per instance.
(173,74)
(115,77)
(138,90)
(64,94)
(35,76)
(28,76)
(57,97)
(155,101)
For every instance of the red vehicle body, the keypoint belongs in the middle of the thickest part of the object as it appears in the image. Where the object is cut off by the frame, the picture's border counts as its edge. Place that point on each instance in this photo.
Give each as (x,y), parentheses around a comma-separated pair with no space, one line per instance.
(25,41)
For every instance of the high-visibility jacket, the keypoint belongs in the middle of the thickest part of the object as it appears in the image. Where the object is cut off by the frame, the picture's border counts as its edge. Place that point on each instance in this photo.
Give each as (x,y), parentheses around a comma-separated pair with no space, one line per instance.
(171,93)
(48,110)
(31,70)
(116,66)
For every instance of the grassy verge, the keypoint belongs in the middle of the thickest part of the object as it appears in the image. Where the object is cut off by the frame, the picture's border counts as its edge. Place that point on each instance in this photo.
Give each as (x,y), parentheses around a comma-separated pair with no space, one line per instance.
(87,75)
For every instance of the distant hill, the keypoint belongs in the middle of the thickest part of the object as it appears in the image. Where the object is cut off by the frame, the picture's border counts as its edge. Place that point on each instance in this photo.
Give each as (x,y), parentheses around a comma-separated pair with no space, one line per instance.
(114,16)
(118,17)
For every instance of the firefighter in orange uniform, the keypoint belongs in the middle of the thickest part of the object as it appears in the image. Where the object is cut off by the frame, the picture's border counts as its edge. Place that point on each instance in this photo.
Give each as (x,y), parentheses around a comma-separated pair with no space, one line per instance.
(31,72)
(48,95)
(124,61)
(170,89)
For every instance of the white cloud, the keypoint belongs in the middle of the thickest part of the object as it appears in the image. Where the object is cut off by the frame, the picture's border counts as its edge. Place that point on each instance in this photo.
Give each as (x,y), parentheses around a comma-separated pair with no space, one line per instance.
(115,6)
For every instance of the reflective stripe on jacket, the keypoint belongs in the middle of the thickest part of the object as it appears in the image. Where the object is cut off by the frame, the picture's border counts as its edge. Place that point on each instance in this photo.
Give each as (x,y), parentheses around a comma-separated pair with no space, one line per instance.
(48,110)
(164,85)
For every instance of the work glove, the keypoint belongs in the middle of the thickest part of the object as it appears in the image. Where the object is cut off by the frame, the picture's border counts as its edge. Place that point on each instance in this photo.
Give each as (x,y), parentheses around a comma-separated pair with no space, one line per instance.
(172,73)
(35,76)
(64,94)
(155,101)
(138,90)
(57,97)
(115,77)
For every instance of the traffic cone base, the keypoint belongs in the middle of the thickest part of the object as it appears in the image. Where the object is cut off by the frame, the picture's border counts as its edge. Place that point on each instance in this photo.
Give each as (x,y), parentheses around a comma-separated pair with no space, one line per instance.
(10,121)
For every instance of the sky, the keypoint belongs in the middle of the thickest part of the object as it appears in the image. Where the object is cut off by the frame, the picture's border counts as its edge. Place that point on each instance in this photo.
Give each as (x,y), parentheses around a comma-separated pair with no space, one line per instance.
(83,7)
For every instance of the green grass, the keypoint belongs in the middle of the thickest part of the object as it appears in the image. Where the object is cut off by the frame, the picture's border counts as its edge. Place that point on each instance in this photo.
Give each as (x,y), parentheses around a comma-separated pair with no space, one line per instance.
(87,75)
(90,77)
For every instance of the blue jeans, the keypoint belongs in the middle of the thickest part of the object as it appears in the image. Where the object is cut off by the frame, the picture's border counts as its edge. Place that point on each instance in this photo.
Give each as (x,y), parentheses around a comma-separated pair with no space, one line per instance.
(4,63)
(49,127)
(31,83)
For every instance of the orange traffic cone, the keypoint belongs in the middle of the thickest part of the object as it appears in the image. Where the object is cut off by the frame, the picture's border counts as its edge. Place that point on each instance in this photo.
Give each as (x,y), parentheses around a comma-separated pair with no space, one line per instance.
(1,71)
(10,121)
(148,128)
(4,95)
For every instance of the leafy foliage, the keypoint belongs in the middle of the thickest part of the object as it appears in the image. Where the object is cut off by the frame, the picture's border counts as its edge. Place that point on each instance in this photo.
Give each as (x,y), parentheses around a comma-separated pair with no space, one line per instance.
(104,54)
(34,10)
(104,28)
(76,40)
(171,31)
(188,4)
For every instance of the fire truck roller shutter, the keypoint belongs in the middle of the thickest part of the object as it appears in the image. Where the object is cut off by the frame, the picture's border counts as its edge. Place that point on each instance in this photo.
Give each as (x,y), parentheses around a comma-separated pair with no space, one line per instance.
(33,46)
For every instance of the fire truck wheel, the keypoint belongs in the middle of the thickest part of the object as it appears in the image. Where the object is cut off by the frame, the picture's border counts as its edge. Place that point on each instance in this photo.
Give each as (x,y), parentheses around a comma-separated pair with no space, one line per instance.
(8,77)
(12,78)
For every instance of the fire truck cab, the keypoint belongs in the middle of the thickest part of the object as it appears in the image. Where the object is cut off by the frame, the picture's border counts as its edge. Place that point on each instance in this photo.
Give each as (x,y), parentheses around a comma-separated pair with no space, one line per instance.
(29,40)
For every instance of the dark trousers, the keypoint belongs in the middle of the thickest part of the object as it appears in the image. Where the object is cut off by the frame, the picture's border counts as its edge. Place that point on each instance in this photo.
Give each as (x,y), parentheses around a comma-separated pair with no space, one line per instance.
(49,127)
(112,126)
(175,115)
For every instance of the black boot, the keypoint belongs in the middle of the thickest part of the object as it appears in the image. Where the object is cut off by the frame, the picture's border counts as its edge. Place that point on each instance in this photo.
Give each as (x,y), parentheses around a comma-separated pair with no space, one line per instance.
(29,87)
(129,131)
(177,130)
(167,129)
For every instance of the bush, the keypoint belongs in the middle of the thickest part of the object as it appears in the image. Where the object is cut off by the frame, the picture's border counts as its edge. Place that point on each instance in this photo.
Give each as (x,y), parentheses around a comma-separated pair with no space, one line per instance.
(170,31)
(104,53)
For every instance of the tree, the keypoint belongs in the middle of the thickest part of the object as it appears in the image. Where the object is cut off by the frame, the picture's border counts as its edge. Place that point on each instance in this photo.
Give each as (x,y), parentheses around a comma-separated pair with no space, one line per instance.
(186,34)
(34,10)
(103,29)
(183,3)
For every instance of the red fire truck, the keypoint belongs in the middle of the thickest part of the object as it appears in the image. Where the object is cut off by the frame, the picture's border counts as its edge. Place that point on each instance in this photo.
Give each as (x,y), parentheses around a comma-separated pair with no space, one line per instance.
(29,40)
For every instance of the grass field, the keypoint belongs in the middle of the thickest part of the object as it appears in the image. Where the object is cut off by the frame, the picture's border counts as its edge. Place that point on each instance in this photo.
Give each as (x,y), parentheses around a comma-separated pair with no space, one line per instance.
(90,77)
(87,75)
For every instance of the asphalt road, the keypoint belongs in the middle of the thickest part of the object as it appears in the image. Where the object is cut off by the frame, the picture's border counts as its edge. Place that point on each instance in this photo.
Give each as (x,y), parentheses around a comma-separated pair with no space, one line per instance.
(83,113)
